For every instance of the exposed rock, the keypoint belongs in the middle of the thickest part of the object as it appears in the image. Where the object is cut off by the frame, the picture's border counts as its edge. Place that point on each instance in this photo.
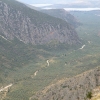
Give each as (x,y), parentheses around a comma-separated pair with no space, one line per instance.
(75,88)
(30,26)
(96,93)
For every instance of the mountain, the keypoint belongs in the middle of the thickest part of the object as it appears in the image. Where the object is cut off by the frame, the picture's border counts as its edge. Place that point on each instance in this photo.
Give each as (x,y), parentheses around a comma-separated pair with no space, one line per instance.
(28,67)
(77,88)
(59,13)
(23,35)
(61,6)
(33,7)
(64,15)
(31,26)
(81,4)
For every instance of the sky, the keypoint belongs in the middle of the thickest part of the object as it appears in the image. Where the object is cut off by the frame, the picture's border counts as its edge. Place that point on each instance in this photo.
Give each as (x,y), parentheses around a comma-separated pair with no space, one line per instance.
(48,4)
(57,1)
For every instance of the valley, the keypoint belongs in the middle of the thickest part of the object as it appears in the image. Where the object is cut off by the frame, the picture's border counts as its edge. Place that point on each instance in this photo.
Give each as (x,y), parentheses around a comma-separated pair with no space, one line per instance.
(30,68)
(62,64)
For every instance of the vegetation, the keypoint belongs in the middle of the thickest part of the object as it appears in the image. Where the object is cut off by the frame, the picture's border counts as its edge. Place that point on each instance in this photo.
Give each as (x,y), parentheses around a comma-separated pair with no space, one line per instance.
(19,61)
(62,14)
(89,95)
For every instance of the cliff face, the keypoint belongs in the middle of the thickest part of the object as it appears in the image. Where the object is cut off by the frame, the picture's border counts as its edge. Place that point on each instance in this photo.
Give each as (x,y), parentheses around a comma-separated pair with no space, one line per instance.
(30,26)
(76,88)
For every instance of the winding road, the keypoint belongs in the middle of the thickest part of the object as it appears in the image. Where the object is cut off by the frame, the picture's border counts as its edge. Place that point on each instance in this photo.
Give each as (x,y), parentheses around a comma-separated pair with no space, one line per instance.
(6,87)
(48,62)
(82,47)
(35,73)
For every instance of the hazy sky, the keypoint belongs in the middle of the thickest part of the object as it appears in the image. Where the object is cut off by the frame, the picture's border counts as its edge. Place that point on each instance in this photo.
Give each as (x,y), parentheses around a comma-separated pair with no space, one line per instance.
(56,1)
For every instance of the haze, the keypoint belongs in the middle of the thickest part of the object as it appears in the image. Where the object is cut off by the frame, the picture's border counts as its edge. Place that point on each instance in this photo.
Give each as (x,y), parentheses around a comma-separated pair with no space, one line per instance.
(58,2)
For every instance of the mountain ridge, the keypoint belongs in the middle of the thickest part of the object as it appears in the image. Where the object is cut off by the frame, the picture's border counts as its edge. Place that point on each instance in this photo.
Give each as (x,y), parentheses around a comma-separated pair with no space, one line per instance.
(64,15)
(31,26)
(75,88)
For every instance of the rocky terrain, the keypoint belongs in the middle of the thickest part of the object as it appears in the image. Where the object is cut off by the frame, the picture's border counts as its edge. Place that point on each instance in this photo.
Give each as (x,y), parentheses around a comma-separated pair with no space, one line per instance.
(77,88)
(96,93)
(30,26)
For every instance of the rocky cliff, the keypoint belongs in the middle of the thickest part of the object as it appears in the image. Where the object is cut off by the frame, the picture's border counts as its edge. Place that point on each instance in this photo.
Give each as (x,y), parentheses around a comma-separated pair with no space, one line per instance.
(76,88)
(30,26)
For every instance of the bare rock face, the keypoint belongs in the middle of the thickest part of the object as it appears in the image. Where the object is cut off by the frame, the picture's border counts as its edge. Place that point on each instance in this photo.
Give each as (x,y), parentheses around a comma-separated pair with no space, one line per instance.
(30,26)
(75,88)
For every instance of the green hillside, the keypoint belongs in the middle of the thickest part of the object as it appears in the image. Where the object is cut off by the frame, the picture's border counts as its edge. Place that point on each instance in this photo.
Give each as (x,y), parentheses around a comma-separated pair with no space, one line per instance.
(63,63)
(26,65)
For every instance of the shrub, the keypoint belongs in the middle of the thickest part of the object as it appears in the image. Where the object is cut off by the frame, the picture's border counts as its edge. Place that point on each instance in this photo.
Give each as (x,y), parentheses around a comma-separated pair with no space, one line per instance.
(89,95)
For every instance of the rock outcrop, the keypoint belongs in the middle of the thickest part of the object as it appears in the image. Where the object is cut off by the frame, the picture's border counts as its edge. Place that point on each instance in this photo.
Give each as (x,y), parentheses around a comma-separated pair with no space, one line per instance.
(76,88)
(30,26)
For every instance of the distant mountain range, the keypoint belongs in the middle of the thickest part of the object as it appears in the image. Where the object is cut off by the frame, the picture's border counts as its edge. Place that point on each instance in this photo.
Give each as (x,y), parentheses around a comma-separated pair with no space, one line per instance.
(92,4)
(74,5)
(64,15)
(63,4)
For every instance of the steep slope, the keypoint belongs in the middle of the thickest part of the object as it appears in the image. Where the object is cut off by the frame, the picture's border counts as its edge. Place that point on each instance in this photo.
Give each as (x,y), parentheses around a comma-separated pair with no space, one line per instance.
(95,93)
(31,26)
(76,88)
(16,55)
(64,15)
